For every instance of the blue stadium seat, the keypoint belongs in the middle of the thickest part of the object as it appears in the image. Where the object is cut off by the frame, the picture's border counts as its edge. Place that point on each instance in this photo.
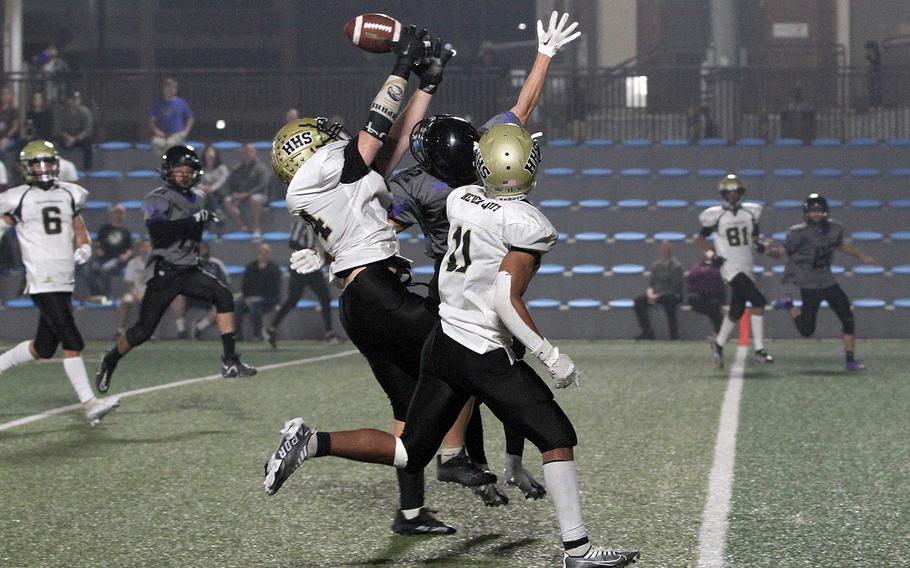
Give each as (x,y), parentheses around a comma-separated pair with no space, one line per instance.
(788,142)
(588,270)
(598,143)
(837,269)
(867,236)
(867,270)
(143,146)
(555,204)
(751,173)
(98,205)
(105,174)
(142,174)
(673,172)
(263,145)
(544,304)
(334,303)
(584,304)
(20,303)
(561,143)
(635,172)
(275,236)
(862,143)
(901,270)
(590,237)
(865,172)
(827,172)
(307,304)
(559,172)
(902,303)
(788,204)
(672,236)
(835,204)
(551,270)
(705,203)
(423,270)
(628,270)
(758,269)
(632,204)
(234,269)
(900,236)
(594,203)
(869,303)
(226,145)
(712,142)
(279,204)
(238,237)
(597,172)
(788,173)
(900,203)
(562,236)
(109,305)
(866,204)
(711,173)
(131,205)
(674,143)
(779,236)
(672,204)
(637,143)
(899,172)
(622,304)
(826,142)
(114,146)
(898,142)
(750,142)
(629,237)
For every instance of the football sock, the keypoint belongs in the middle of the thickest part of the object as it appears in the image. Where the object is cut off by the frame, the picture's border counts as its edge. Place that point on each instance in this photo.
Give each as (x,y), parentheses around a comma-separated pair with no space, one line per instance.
(229,344)
(181,324)
(410,514)
(319,445)
(473,437)
(16,356)
(758,331)
(562,483)
(515,442)
(75,372)
(446,454)
(410,488)
(849,355)
(203,324)
(726,329)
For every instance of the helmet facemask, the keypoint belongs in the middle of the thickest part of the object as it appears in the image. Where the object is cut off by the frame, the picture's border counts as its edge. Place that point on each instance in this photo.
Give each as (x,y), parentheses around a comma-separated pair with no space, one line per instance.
(731,191)
(44,170)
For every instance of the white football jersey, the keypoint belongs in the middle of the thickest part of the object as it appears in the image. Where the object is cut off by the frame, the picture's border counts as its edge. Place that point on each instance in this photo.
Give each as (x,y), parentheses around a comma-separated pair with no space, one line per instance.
(350,219)
(733,236)
(481,232)
(44,226)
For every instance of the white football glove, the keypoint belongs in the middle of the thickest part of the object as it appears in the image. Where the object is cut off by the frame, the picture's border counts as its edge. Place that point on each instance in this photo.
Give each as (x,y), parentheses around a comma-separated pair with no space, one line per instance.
(560,366)
(204,215)
(306,261)
(82,254)
(557,35)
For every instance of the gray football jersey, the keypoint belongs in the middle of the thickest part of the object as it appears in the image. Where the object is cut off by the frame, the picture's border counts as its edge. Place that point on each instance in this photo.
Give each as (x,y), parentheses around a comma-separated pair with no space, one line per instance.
(810,249)
(168,204)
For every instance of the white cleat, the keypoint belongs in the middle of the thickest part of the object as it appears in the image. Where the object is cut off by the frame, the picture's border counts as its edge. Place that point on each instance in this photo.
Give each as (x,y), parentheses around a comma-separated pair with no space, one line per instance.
(101,407)
(599,556)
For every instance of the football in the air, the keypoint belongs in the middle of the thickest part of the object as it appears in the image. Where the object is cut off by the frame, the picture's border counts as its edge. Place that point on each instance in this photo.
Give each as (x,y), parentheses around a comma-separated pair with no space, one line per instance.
(371,31)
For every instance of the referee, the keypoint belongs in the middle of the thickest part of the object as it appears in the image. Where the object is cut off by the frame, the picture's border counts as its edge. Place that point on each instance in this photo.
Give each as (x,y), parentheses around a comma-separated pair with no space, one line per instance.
(175,218)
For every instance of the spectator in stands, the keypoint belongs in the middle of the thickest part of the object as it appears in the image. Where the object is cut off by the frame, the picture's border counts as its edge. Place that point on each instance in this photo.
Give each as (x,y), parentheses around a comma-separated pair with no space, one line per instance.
(874,57)
(171,120)
(246,186)
(291,114)
(74,128)
(134,279)
(261,291)
(9,125)
(215,175)
(4,178)
(115,247)
(707,292)
(39,120)
(181,304)
(54,69)
(665,287)
(68,171)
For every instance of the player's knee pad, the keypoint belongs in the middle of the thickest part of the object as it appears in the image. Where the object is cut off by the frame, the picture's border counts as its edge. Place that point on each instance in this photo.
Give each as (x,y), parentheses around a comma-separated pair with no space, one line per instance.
(223,300)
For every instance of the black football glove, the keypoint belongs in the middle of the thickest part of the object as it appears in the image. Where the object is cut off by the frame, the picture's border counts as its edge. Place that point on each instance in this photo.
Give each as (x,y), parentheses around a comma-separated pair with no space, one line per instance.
(430,67)
(409,48)
(717,261)
(760,247)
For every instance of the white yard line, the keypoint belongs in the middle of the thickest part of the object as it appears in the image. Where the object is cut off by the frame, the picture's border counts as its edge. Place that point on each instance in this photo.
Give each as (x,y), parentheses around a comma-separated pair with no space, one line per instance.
(60,410)
(712,538)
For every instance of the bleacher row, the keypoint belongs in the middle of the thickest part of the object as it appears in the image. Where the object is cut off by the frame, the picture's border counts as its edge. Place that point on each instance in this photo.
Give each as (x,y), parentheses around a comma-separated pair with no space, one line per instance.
(615,201)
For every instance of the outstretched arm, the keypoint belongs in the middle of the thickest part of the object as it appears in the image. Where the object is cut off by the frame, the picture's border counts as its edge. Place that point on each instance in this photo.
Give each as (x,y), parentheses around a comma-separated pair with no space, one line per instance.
(847,248)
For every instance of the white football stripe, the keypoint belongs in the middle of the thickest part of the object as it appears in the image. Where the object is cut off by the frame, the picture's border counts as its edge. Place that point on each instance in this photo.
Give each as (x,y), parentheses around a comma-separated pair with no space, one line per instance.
(358,24)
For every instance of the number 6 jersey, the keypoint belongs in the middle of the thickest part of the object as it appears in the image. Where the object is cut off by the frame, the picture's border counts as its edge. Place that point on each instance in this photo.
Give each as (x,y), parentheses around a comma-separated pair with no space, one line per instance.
(44,226)
(734,235)
(481,232)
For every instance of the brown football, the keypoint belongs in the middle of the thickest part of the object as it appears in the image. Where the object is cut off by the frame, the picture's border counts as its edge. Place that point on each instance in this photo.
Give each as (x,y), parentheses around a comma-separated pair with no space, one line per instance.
(371,31)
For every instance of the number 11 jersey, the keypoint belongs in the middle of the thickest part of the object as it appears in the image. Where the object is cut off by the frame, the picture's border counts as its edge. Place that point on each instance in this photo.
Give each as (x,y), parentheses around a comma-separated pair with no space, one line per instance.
(44,226)
(481,232)
(734,235)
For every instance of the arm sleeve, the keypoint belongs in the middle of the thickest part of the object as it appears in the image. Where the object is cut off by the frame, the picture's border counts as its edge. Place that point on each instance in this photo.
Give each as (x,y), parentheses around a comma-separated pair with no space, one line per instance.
(354,167)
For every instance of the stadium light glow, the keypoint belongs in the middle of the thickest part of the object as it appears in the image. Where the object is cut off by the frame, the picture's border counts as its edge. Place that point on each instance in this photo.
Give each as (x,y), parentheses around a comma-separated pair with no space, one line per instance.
(220,124)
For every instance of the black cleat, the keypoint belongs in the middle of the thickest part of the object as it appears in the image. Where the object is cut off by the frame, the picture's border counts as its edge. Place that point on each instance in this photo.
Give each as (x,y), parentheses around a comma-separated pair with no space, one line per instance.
(271,336)
(599,556)
(762,357)
(460,469)
(105,371)
(490,495)
(233,367)
(717,352)
(424,523)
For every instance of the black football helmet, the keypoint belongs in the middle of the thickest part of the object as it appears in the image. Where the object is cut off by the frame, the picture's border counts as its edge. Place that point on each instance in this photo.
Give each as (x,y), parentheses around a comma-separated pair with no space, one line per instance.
(815,202)
(443,145)
(180,156)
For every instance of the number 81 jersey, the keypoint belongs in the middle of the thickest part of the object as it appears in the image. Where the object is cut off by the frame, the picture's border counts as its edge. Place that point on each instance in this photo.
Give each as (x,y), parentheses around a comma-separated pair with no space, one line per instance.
(735,231)
(481,232)
(44,226)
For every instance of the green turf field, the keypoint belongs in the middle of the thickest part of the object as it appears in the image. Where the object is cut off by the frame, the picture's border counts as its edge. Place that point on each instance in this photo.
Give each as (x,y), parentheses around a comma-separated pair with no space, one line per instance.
(174,477)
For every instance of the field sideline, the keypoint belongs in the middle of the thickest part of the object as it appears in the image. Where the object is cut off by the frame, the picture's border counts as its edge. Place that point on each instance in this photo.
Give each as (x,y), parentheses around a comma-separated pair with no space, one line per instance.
(174,478)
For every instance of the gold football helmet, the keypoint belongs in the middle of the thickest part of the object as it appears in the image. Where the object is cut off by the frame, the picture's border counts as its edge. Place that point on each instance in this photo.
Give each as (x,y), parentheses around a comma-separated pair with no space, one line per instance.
(39,162)
(731,190)
(506,160)
(298,140)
